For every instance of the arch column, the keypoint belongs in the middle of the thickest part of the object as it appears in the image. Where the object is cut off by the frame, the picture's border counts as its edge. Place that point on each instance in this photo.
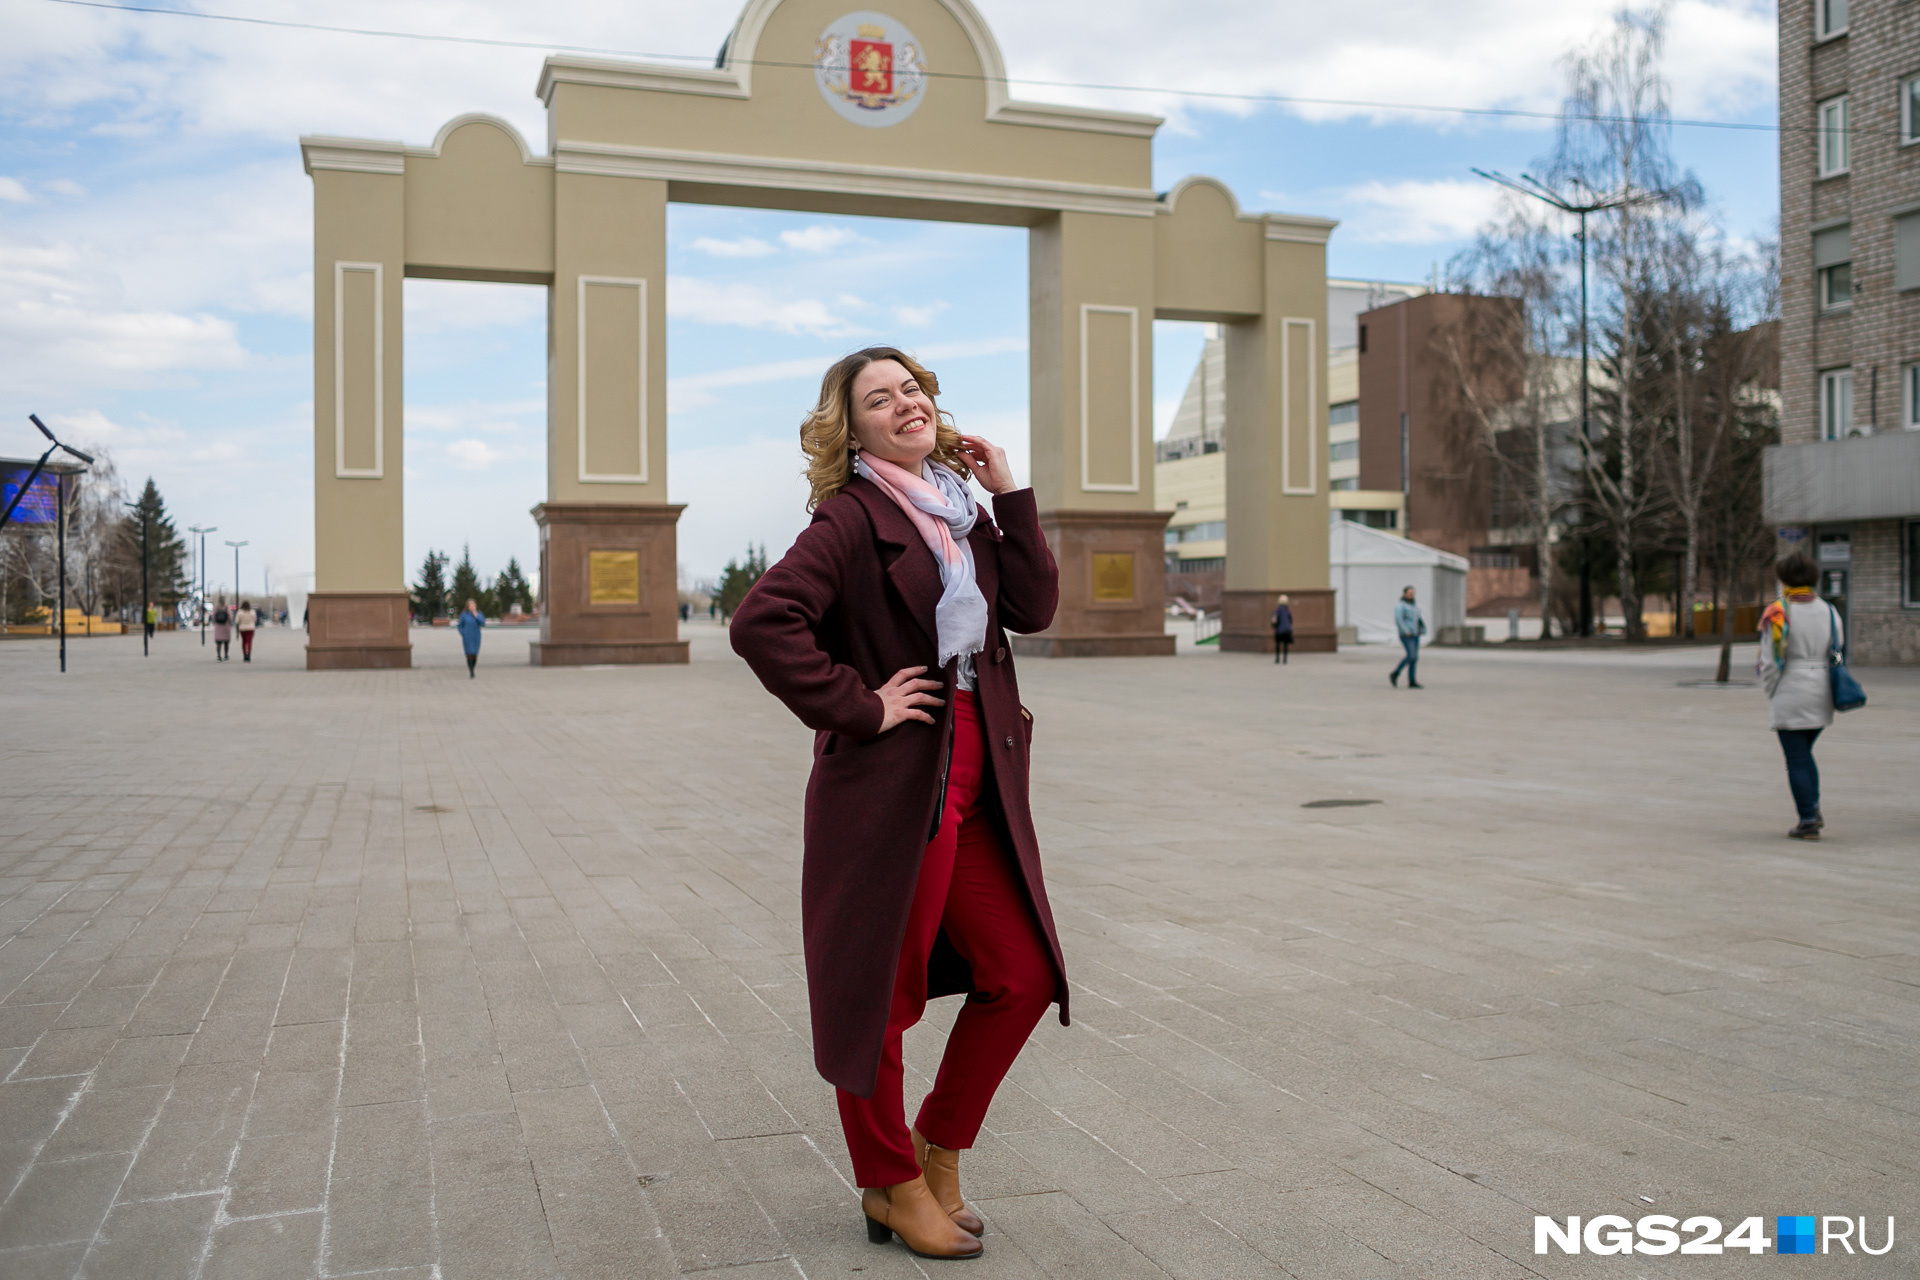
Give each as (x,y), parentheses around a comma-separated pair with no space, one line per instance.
(609,577)
(1276,433)
(358,610)
(1090,335)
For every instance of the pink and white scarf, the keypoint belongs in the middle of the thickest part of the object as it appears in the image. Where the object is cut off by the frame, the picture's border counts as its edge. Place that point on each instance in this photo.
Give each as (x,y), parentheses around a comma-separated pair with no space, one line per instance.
(942,510)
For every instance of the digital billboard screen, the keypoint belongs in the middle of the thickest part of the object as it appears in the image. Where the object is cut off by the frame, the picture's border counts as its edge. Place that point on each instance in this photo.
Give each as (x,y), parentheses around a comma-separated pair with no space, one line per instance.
(40,506)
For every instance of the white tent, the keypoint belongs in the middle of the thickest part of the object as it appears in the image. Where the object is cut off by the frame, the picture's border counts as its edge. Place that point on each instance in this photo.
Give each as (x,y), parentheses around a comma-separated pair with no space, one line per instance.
(1369,569)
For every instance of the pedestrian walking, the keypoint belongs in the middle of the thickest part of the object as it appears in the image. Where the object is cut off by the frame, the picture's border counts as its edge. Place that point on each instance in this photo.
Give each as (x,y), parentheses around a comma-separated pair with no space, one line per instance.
(222,630)
(1282,629)
(244,621)
(469,622)
(151,619)
(882,631)
(1798,634)
(1410,626)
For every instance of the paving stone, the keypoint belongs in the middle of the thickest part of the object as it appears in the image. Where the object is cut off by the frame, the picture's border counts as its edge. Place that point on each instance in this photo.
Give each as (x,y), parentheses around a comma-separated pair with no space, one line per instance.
(561,1028)
(154,1239)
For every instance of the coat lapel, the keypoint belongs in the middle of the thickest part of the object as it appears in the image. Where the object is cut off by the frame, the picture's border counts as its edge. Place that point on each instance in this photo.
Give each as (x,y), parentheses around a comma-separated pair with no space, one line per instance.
(915,574)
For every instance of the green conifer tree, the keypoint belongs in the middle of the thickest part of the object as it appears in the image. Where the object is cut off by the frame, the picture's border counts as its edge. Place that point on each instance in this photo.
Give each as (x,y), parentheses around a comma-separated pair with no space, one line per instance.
(166,549)
(430,592)
(466,586)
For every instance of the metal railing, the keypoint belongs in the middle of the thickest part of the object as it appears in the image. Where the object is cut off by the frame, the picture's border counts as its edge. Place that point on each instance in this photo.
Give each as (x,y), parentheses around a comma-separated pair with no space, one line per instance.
(1206,628)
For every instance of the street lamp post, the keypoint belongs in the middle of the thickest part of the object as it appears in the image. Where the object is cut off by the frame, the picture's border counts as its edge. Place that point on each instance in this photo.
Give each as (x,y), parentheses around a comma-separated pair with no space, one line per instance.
(145,589)
(203,532)
(1626,198)
(236,568)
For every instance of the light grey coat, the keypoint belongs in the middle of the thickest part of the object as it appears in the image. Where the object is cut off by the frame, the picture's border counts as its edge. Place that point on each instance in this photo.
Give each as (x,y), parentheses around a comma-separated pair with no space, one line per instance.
(1801,696)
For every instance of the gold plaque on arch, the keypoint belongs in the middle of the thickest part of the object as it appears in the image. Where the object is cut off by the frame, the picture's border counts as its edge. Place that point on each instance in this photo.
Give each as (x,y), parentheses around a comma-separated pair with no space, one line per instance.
(1113,576)
(613,577)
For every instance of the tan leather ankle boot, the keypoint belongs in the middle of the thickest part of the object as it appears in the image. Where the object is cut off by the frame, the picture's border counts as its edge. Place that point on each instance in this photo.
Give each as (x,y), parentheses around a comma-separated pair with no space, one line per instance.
(909,1211)
(941,1165)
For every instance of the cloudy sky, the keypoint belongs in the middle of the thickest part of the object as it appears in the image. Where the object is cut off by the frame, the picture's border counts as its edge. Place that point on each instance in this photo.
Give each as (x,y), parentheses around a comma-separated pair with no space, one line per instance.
(155,283)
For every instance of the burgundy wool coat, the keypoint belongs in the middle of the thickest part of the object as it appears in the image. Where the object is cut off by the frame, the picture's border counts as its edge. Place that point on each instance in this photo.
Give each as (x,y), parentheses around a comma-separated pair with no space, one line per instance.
(850,605)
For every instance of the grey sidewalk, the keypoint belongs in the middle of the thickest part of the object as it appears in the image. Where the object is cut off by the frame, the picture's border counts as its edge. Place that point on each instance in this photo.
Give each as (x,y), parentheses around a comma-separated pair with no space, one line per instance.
(405,973)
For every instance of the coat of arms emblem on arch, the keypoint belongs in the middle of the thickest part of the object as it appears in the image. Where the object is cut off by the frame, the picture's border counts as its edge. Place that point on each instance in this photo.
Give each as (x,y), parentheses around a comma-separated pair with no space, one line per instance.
(870,69)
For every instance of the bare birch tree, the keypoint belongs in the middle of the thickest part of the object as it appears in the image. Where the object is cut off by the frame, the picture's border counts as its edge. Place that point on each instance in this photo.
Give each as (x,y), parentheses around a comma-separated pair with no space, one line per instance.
(1505,386)
(1613,137)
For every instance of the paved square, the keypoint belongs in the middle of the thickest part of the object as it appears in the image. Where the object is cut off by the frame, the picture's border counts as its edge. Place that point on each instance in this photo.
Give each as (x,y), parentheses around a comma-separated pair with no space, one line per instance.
(405,973)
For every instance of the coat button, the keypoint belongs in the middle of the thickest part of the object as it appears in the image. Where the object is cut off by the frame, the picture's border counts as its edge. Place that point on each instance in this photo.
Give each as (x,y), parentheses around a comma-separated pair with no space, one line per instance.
(1009,740)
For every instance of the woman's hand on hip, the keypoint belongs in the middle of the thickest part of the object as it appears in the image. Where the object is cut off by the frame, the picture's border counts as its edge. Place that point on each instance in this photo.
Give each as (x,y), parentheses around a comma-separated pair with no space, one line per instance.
(904,695)
(989,464)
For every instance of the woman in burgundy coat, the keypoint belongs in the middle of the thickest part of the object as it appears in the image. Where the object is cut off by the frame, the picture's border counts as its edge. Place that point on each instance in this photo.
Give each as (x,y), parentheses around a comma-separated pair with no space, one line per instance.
(884,630)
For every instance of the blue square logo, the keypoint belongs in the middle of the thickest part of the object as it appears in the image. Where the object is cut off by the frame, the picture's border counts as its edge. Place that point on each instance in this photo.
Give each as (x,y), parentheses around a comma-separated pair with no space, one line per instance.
(1793,1235)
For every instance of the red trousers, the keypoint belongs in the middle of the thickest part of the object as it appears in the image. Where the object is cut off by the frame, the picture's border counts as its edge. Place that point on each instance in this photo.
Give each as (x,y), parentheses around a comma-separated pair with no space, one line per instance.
(970,887)
(246,644)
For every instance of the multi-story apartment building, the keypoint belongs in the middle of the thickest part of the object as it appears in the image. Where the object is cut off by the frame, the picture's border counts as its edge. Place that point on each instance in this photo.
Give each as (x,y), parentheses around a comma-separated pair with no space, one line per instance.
(1845,481)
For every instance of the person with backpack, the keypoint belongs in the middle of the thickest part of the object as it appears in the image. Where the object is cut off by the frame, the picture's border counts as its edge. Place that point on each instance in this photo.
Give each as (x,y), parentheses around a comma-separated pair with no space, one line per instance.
(1282,629)
(222,629)
(1800,635)
(244,622)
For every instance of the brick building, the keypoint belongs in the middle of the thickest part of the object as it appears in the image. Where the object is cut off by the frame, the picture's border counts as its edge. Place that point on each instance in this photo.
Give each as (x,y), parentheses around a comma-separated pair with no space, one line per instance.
(1845,481)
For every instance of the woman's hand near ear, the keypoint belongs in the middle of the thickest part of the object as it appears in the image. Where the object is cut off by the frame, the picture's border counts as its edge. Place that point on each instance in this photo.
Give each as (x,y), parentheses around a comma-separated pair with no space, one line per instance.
(988,463)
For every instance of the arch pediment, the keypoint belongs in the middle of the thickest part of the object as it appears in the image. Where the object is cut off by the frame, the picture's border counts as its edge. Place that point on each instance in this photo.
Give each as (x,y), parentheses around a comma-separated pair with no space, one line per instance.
(758,119)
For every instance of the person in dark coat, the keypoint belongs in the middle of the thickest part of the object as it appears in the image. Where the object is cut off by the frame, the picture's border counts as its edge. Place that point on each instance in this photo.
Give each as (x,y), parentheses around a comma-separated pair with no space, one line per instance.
(884,631)
(1282,629)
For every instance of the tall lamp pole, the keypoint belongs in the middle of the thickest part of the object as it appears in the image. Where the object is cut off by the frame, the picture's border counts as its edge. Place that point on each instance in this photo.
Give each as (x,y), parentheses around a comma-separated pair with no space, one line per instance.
(60,516)
(1528,185)
(236,568)
(145,589)
(203,532)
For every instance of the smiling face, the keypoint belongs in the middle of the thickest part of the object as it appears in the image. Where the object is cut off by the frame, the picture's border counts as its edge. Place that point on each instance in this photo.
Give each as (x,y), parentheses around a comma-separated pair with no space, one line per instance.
(893,416)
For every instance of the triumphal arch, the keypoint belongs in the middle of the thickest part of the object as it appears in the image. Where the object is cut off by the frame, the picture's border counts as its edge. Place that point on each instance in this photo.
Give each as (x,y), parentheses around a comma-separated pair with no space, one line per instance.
(814,108)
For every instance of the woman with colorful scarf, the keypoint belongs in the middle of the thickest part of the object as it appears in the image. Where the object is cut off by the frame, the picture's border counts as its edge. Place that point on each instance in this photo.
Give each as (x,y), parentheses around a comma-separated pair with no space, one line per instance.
(1797,632)
(882,630)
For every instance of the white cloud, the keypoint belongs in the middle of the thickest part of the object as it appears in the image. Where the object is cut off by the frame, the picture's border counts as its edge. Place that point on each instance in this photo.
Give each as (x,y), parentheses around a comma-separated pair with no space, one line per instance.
(705,301)
(65,187)
(473,455)
(1416,212)
(741,247)
(817,239)
(918,317)
(14,191)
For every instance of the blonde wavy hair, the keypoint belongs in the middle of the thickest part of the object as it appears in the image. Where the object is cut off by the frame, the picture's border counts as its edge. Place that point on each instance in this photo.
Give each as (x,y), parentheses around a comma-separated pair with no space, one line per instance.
(826,433)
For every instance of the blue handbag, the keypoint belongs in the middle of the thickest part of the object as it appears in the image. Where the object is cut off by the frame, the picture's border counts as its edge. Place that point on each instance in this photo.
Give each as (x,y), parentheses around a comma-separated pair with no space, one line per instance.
(1847,693)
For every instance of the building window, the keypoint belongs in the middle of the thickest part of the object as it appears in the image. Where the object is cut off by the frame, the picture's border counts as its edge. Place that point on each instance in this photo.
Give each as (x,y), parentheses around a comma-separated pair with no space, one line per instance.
(1910,397)
(1912,575)
(1372,518)
(1910,111)
(1829,18)
(1343,450)
(1345,411)
(1906,252)
(1836,286)
(1211,531)
(1836,404)
(1833,136)
(1344,483)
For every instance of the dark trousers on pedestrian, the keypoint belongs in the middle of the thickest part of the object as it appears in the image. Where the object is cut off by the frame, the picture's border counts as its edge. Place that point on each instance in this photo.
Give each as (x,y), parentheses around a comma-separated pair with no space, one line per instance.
(1409,663)
(471,659)
(1282,641)
(970,888)
(1803,775)
(149,631)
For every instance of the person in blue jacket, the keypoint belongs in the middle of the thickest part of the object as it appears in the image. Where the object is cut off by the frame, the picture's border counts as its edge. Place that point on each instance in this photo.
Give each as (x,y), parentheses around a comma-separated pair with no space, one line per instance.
(1411,626)
(470,623)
